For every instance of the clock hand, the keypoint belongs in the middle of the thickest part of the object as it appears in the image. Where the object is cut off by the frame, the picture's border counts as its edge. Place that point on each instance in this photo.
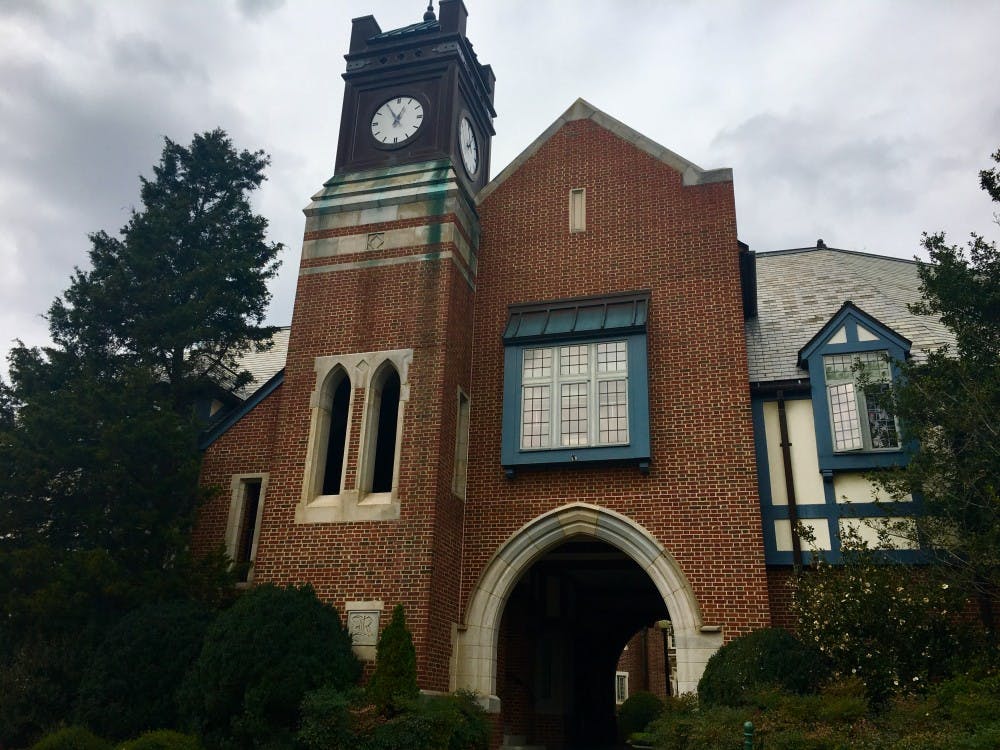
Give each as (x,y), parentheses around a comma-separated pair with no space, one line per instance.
(395,117)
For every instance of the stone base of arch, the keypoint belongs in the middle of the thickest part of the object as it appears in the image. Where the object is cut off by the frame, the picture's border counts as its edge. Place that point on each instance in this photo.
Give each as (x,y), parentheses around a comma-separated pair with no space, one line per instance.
(474,657)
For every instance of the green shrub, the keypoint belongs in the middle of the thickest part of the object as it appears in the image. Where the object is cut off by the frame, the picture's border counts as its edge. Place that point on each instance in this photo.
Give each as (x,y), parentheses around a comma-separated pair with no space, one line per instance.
(258,661)
(469,729)
(888,624)
(329,719)
(763,658)
(394,682)
(162,739)
(72,738)
(672,730)
(37,683)
(448,722)
(635,714)
(131,683)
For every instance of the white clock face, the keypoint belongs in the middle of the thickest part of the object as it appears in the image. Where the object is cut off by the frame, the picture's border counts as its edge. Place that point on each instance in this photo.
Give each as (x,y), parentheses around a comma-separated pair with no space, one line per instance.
(397,120)
(468,146)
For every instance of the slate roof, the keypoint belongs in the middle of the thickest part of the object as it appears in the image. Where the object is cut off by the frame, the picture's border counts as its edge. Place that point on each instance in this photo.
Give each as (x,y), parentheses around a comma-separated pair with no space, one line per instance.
(799,290)
(263,365)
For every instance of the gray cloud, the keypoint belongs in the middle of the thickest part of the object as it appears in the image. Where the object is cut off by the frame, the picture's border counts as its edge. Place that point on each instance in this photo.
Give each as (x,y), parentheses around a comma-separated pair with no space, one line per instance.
(255,9)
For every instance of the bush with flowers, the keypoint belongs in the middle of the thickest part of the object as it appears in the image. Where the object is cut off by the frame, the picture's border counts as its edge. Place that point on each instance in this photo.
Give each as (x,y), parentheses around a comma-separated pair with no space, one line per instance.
(892,626)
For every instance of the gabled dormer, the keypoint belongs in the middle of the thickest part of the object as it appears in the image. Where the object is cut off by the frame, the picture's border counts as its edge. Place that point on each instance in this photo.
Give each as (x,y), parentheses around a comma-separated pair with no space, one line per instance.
(852,361)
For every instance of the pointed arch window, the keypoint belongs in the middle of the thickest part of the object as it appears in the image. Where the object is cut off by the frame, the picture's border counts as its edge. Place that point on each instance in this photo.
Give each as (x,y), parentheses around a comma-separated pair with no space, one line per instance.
(382,431)
(336,444)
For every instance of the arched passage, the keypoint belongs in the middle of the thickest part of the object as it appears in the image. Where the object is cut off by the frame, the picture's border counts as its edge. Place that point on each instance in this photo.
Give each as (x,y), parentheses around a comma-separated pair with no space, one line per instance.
(475,655)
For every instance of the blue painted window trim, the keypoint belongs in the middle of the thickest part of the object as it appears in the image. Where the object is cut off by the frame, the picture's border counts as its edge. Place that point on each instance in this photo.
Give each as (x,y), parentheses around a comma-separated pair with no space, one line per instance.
(578,321)
(830,509)
(811,358)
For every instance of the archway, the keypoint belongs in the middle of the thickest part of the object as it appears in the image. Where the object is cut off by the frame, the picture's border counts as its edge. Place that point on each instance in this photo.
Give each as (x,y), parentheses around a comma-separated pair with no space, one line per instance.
(475,655)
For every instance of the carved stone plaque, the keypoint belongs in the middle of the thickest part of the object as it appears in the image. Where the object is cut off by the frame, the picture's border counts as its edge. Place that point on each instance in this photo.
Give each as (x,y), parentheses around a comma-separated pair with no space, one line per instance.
(363,627)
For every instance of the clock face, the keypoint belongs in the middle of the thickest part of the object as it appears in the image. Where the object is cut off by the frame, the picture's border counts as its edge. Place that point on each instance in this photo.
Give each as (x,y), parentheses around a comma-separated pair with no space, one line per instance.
(468,146)
(397,121)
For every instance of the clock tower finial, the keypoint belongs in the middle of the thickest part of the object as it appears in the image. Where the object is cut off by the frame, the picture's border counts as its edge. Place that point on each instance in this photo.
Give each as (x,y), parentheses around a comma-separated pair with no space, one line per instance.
(429,13)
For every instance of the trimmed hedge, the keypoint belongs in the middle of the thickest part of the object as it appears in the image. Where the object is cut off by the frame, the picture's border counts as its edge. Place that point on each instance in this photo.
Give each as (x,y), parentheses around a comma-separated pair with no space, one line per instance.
(162,739)
(72,738)
(769,657)
(635,714)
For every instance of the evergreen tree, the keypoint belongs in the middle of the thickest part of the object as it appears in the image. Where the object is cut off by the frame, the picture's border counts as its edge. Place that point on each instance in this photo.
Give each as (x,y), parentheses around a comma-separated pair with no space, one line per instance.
(98,434)
(394,681)
(948,403)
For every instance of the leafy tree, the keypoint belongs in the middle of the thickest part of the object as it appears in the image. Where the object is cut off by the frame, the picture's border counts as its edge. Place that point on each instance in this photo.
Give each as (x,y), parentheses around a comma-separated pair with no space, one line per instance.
(394,681)
(948,404)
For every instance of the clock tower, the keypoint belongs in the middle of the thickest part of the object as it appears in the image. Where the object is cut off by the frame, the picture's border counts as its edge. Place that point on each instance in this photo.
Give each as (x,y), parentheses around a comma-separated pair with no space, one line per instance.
(417,94)
(375,396)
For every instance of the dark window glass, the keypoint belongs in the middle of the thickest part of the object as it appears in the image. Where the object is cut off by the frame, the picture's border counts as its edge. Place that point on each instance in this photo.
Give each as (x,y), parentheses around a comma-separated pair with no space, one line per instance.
(337,442)
(385,441)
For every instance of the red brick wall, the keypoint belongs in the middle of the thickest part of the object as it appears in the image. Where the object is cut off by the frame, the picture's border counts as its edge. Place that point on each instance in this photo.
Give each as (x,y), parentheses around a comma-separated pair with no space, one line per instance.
(780,590)
(424,306)
(644,658)
(644,230)
(245,448)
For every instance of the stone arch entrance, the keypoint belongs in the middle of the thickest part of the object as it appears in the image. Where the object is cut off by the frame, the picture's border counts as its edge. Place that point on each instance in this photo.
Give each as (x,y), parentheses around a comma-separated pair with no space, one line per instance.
(475,655)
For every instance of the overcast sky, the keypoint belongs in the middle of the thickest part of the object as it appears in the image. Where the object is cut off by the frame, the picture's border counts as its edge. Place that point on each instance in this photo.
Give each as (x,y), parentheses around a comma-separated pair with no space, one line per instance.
(864,123)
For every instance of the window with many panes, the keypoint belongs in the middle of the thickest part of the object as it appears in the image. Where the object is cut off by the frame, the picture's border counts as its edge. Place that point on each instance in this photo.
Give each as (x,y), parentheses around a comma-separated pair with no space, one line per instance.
(576,382)
(574,395)
(858,390)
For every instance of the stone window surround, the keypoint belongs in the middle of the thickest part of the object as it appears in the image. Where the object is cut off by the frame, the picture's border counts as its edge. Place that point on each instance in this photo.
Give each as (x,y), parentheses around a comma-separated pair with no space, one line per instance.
(352,503)
(237,487)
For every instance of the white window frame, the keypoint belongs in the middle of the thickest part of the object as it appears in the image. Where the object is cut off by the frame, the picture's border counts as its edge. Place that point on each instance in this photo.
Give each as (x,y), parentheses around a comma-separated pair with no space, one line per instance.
(460,475)
(621,687)
(879,370)
(237,510)
(555,380)
(355,502)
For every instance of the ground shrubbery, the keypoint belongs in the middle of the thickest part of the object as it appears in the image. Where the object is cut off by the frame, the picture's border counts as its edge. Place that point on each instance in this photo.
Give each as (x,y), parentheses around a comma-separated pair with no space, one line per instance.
(959,713)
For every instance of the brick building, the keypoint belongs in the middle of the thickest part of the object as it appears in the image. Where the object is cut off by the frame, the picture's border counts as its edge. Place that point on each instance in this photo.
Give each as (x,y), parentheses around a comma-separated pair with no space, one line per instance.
(543,411)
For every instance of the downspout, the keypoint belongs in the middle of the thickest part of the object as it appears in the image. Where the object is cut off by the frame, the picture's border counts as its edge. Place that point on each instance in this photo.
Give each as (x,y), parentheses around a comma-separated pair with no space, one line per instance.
(786,455)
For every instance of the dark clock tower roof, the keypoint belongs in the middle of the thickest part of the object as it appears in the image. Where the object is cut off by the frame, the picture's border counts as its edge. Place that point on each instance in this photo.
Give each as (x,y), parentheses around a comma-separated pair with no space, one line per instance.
(433,62)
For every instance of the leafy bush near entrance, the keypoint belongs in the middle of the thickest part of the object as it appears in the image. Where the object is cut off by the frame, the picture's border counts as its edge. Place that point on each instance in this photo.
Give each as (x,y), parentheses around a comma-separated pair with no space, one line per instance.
(636,712)
(259,659)
(769,657)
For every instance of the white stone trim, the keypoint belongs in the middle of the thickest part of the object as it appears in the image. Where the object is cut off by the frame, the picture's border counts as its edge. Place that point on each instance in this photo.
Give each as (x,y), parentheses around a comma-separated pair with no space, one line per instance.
(475,657)
(396,261)
(352,504)
(236,508)
(363,652)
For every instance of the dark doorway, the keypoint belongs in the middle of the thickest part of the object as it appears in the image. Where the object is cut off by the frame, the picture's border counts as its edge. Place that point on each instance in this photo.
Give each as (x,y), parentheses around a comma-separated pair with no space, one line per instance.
(563,629)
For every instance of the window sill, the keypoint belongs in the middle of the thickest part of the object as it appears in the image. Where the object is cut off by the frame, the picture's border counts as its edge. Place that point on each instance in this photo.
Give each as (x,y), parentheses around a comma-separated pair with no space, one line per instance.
(347,507)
